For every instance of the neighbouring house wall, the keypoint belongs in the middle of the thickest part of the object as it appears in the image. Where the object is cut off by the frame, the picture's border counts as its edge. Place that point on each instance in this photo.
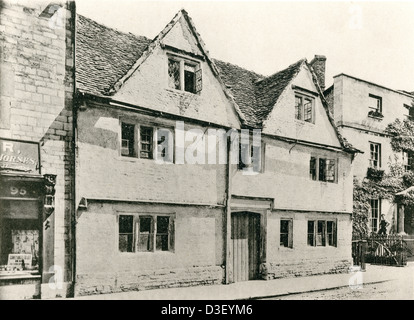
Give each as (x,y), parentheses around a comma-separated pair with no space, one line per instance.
(36,91)
(197,258)
(302,259)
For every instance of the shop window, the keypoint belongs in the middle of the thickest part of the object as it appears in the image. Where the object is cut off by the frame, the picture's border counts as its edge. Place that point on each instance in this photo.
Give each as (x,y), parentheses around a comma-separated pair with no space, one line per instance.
(286,233)
(19,237)
(322,169)
(304,108)
(322,233)
(184,75)
(151,232)
(375,155)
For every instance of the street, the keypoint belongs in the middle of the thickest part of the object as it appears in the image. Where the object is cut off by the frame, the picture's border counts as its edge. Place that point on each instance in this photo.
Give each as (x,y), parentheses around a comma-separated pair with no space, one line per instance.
(400,288)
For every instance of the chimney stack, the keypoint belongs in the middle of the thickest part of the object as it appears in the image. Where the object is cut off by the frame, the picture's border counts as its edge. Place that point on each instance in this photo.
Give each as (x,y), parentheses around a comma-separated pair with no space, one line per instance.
(318,64)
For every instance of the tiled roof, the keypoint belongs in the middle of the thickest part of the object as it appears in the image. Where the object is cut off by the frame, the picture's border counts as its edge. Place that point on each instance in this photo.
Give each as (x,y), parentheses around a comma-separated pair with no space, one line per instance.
(103,55)
(241,83)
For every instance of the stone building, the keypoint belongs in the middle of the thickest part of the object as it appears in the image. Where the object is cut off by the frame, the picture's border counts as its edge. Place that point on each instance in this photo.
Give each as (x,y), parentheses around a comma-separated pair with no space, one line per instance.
(36,146)
(161,180)
(362,110)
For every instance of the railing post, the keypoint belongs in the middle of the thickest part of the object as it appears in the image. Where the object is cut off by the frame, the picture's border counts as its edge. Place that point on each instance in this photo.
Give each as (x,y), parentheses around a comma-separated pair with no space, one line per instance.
(364,246)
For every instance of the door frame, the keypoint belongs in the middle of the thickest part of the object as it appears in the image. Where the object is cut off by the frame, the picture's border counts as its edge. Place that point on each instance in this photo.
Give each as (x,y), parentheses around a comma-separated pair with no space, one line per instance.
(257,205)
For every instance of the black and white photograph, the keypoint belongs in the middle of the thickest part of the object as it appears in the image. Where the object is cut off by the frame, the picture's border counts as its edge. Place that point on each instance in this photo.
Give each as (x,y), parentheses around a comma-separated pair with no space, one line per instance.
(214,151)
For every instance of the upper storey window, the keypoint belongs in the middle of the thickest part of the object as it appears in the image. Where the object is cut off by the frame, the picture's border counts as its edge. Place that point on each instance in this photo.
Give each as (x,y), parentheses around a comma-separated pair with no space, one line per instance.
(304,108)
(375,105)
(184,75)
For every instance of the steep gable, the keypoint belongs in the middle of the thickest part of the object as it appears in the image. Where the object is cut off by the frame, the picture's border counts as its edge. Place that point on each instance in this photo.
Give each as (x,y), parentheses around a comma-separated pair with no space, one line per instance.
(281,120)
(104,55)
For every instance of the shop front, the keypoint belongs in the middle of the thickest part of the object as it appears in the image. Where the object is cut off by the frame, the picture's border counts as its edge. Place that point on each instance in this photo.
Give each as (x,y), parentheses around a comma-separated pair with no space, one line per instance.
(26,203)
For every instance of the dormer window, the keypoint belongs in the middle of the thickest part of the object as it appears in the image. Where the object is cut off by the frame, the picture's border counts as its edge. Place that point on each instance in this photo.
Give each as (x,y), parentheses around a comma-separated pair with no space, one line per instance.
(304,108)
(184,75)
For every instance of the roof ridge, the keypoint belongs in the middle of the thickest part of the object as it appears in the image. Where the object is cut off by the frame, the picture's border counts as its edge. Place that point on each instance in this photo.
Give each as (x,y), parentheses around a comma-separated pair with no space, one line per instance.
(300,61)
(237,66)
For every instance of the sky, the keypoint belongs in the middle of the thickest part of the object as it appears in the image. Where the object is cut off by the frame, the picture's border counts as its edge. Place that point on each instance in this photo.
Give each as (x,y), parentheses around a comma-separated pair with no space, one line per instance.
(370,40)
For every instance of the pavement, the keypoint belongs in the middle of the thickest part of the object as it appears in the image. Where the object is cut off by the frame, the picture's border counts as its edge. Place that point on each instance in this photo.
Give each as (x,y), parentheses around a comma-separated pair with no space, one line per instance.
(257,289)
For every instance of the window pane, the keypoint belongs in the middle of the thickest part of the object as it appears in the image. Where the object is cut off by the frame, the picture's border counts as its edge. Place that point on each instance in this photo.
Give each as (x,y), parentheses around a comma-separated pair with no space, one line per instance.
(298,108)
(162,224)
(320,237)
(126,224)
(311,234)
(189,81)
(307,108)
(164,145)
(146,135)
(127,145)
(145,224)
(145,242)
(162,242)
(312,168)
(284,240)
(330,170)
(174,74)
(284,226)
(322,169)
(125,242)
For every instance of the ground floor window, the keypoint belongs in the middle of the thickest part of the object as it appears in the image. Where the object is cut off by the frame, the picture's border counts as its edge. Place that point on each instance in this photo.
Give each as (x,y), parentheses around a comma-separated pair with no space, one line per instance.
(19,237)
(286,234)
(321,233)
(146,233)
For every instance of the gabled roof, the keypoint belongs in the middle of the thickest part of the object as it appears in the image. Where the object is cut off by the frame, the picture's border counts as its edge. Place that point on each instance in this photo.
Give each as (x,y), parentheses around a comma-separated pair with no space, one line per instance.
(104,55)
(106,58)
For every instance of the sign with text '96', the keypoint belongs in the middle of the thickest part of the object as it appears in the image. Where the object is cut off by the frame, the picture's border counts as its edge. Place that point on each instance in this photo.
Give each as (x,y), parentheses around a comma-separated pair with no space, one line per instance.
(20,156)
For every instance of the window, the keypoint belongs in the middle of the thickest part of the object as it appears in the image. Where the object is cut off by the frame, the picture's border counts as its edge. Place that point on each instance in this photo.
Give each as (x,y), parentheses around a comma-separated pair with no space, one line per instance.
(126,233)
(286,234)
(128,134)
(146,233)
(252,156)
(184,75)
(411,113)
(312,168)
(375,213)
(375,103)
(142,138)
(146,136)
(322,233)
(304,108)
(323,169)
(375,155)
(407,157)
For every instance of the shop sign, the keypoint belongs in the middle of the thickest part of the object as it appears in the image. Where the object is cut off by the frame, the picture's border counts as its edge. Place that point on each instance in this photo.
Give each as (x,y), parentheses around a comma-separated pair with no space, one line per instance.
(21,156)
(17,260)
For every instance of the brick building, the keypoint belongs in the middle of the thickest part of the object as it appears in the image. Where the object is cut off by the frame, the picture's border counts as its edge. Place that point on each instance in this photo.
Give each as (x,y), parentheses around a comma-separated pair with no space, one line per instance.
(145,150)
(362,110)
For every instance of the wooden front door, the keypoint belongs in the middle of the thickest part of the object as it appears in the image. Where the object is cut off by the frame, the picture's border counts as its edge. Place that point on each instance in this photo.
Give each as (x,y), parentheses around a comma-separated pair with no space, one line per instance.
(245,238)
